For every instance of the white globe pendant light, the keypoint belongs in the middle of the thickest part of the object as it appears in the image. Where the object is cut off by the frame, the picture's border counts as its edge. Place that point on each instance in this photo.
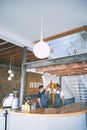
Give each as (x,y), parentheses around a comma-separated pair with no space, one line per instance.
(9,78)
(41,49)
(9,71)
(12,75)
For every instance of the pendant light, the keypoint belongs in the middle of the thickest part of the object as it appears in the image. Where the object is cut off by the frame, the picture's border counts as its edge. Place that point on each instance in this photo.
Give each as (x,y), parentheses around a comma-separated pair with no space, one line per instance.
(9,78)
(12,74)
(41,49)
(10,71)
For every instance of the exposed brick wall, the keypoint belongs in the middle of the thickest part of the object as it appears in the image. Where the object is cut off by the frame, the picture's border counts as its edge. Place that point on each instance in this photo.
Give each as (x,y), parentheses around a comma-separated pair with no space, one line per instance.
(7,86)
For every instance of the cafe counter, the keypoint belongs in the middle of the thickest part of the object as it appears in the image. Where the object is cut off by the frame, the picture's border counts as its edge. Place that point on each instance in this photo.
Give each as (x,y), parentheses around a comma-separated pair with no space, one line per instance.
(73,117)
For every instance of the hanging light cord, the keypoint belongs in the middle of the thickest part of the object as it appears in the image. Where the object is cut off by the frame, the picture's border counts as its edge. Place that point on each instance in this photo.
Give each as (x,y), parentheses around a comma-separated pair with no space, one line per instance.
(41,46)
(10,63)
(41,23)
(13,63)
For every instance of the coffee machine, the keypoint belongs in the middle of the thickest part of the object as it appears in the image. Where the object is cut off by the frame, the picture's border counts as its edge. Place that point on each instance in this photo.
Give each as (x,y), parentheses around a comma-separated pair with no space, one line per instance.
(11,101)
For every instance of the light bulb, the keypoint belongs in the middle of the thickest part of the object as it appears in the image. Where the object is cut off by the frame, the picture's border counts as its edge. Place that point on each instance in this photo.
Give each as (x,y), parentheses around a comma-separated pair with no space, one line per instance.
(41,50)
(9,78)
(9,71)
(12,75)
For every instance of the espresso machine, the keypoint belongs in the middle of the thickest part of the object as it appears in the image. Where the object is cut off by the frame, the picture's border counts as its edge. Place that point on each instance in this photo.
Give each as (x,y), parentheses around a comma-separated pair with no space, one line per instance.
(10,101)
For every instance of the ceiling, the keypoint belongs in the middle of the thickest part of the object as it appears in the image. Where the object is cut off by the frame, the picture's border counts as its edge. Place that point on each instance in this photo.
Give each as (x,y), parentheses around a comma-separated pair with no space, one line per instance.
(20,24)
(20,20)
(11,52)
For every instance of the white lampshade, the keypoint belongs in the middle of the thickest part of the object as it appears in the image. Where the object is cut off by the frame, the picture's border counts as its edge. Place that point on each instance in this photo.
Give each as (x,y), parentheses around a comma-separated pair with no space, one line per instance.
(41,50)
(11,75)
(9,71)
(9,78)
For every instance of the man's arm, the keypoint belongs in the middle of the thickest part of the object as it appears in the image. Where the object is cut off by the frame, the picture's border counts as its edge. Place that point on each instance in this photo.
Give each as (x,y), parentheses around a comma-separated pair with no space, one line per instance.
(62,96)
(63,100)
(49,85)
(39,102)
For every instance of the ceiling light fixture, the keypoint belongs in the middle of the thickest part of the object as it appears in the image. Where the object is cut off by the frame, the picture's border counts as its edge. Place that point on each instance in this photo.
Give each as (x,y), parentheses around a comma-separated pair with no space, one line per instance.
(41,49)
(9,78)
(10,71)
(12,75)
(85,68)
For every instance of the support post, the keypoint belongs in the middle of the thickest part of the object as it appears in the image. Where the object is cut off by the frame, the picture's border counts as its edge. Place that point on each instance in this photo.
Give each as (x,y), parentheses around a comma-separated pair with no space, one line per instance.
(23,88)
(5,115)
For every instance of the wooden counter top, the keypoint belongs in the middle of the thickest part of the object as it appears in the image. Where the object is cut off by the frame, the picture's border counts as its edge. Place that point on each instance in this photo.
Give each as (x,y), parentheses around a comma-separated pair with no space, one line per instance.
(72,109)
(68,110)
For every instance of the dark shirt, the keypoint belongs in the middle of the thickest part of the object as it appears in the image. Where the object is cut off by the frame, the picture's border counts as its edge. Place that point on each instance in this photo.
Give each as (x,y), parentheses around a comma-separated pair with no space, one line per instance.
(39,94)
(42,98)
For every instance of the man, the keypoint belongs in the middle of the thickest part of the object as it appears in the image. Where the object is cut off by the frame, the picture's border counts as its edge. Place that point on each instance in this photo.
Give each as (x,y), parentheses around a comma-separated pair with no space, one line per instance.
(41,99)
(59,97)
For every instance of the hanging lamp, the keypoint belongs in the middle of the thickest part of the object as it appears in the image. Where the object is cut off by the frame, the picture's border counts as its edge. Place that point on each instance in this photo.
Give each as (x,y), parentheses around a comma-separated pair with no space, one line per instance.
(12,74)
(41,49)
(10,71)
(9,78)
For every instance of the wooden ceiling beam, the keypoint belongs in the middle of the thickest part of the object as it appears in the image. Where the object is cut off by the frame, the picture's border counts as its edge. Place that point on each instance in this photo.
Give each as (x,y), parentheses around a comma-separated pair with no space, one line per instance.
(17,59)
(5,47)
(10,51)
(6,58)
(62,67)
(57,61)
(70,32)
(69,72)
(66,33)
(1,41)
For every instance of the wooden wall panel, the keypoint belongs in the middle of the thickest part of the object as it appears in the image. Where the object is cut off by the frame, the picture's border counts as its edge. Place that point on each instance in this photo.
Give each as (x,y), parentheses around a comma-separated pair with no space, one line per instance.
(33,81)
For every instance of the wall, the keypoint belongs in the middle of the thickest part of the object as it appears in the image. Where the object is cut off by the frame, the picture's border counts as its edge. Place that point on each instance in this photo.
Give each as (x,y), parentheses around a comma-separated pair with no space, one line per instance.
(8,86)
(75,86)
(33,82)
(68,93)
(67,88)
(47,78)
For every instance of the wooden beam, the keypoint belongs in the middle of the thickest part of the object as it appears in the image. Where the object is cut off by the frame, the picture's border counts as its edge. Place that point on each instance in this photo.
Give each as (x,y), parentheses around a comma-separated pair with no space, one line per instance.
(69,72)
(1,41)
(69,32)
(57,61)
(62,67)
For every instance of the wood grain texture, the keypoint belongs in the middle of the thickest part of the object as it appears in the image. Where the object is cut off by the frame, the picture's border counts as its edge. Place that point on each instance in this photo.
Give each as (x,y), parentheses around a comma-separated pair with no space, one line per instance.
(68,110)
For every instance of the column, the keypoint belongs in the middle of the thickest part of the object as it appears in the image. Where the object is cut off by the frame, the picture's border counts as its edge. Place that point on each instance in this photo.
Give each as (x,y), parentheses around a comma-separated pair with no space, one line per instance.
(23,88)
